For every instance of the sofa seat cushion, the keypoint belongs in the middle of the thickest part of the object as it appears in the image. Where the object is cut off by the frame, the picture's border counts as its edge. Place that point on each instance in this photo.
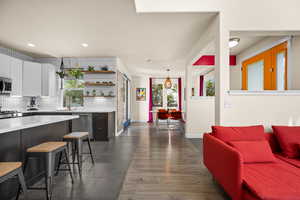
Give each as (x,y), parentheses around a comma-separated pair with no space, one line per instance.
(273,181)
(254,151)
(243,133)
(292,161)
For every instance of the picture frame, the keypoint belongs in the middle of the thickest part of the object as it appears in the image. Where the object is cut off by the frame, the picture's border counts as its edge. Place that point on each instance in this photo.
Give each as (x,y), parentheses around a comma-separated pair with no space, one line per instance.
(140,94)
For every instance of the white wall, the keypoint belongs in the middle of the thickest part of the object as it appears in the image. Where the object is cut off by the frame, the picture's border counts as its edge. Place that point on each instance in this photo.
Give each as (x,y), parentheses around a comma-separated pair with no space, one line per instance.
(200,120)
(140,108)
(263,109)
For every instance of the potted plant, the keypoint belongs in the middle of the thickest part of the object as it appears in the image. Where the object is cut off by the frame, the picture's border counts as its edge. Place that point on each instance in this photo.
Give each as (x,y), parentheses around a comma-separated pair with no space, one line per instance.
(91,68)
(76,73)
(94,92)
(61,75)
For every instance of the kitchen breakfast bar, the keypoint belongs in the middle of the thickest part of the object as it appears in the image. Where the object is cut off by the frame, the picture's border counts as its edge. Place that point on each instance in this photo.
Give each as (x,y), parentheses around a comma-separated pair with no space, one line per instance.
(18,134)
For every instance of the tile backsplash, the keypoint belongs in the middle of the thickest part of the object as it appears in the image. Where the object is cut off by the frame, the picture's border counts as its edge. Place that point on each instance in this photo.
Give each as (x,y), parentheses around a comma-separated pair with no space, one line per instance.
(52,103)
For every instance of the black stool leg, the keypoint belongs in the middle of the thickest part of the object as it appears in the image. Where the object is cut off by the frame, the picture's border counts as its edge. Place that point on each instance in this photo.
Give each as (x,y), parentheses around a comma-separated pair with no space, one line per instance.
(22,182)
(90,148)
(59,163)
(48,184)
(73,151)
(49,167)
(24,170)
(68,163)
(79,155)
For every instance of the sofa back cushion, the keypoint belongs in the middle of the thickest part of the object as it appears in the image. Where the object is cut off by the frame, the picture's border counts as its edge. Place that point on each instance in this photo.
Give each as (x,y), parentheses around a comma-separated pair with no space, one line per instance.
(243,133)
(288,138)
(271,138)
(254,151)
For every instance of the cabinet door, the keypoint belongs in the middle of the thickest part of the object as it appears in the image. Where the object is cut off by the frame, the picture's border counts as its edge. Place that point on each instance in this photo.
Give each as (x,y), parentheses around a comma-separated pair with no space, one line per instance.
(100,126)
(48,80)
(16,72)
(45,79)
(5,66)
(32,79)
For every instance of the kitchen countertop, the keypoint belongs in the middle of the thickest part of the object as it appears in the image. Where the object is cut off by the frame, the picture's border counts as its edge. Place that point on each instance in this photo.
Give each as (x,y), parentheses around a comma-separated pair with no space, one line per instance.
(19,123)
(71,111)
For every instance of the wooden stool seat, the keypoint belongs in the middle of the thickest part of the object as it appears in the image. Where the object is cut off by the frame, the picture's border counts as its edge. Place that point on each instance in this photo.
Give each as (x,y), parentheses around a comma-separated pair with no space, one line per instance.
(7,167)
(46,147)
(75,135)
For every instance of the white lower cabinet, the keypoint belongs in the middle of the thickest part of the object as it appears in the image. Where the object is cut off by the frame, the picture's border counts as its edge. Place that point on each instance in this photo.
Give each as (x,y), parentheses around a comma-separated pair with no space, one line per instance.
(32,79)
(16,74)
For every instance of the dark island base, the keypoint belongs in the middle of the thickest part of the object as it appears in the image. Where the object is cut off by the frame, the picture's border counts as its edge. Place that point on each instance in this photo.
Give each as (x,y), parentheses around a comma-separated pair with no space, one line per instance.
(13,147)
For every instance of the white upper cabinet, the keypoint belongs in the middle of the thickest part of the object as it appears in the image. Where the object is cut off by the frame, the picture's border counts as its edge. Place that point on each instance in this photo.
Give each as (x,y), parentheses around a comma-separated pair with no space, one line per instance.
(5,66)
(32,79)
(48,80)
(16,74)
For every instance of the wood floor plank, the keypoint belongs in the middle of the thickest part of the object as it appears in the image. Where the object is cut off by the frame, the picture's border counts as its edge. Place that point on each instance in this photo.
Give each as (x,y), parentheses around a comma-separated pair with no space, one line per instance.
(166,166)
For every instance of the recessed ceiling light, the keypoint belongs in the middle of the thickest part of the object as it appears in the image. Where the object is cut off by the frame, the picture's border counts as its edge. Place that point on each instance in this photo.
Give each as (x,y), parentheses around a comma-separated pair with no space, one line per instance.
(30,45)
(84,45)
(233,42)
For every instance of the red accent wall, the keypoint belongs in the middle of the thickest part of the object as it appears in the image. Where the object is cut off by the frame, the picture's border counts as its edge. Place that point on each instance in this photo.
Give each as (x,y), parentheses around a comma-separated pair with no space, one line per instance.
(210,60)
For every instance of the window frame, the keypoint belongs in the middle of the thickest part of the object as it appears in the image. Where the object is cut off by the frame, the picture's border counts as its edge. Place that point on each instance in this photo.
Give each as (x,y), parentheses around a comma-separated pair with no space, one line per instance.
(270,66)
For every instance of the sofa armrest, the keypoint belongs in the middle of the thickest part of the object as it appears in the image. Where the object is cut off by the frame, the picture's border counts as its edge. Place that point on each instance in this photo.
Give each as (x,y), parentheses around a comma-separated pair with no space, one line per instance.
(225,164)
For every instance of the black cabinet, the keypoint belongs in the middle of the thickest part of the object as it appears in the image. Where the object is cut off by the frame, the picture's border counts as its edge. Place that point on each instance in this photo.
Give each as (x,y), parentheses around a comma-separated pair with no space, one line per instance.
(103,126)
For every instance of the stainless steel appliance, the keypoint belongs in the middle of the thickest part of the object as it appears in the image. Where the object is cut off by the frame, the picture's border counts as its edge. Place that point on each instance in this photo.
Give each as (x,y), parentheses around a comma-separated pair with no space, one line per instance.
(5,85)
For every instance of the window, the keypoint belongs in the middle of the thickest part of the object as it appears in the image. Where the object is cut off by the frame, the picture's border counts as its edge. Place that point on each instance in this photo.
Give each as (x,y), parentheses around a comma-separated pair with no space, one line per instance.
(73,93)
(267,70)
(73,98)
(157,95)
(162,97)
(210,88)
(172,96)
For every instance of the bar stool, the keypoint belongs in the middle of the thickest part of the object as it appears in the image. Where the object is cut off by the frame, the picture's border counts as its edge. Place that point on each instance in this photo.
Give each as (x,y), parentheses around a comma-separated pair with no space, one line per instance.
(47,151)
(10,170)
(76,139)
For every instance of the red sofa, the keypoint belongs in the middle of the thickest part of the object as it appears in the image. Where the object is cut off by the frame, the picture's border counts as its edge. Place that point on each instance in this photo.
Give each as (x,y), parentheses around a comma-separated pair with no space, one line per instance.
(254,181)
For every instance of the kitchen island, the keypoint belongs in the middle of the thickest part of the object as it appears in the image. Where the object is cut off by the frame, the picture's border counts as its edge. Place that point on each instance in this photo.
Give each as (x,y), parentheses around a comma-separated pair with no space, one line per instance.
(18,134)
(100,123)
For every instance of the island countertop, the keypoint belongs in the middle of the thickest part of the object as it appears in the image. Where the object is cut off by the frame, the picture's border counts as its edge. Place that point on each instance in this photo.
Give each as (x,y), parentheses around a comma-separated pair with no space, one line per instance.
(19,123)
(70,111)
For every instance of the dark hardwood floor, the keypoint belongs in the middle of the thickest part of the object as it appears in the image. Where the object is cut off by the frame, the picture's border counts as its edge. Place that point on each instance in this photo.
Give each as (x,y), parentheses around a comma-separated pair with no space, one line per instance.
(142,164)
(166,166)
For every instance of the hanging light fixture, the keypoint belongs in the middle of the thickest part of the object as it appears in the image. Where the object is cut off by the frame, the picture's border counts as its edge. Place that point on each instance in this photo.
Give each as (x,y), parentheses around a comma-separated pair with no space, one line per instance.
(168,82)
(61,73)
(233,42)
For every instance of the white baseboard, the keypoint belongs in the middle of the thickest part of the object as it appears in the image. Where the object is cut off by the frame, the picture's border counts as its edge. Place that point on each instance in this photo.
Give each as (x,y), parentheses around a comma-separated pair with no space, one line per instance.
(193,135)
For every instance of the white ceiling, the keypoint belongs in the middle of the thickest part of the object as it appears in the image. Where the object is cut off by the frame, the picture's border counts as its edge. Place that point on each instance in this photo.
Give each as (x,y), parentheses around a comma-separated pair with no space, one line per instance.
(250,38)
(110,27)
(245,43)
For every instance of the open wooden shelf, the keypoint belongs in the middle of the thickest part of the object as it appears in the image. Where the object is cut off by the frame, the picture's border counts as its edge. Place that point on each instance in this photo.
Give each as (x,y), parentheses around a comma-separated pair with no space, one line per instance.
(101,96)
(99,84)
(98,72)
